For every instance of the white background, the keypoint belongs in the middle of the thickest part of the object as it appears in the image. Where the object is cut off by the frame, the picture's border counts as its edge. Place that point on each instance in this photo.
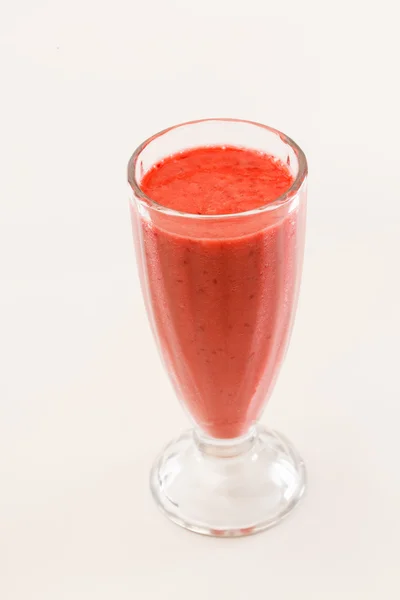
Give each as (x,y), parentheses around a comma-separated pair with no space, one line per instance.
(84,403)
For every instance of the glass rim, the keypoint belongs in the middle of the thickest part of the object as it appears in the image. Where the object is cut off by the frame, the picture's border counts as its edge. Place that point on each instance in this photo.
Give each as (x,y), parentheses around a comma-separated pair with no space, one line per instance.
(282,200)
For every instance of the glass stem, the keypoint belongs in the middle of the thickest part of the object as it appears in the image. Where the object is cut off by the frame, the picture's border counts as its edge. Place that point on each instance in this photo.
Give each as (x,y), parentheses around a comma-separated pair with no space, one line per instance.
(225,448)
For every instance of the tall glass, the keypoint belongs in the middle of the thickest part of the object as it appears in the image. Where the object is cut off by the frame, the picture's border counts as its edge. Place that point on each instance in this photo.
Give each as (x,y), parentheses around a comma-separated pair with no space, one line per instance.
(221,294)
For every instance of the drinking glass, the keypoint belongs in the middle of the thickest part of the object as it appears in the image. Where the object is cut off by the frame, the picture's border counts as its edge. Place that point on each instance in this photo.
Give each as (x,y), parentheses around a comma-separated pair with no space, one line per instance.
(221,293)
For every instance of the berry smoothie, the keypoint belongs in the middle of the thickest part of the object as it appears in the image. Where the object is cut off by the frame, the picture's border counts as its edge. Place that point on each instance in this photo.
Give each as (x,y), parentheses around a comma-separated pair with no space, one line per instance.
(221,292)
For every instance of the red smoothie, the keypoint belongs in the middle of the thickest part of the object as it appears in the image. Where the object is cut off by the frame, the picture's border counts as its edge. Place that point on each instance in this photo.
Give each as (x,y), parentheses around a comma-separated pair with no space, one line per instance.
(221,291)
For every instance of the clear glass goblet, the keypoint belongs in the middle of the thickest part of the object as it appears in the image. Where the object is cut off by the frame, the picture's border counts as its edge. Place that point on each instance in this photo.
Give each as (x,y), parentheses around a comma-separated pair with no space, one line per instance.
(221,294)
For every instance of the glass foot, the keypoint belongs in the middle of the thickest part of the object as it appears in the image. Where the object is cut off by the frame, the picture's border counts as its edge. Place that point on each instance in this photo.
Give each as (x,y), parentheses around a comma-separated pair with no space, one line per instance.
(229,487)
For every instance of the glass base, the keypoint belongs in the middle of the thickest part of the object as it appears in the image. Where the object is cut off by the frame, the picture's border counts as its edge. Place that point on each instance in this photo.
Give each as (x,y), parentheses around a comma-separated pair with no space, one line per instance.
(228,488)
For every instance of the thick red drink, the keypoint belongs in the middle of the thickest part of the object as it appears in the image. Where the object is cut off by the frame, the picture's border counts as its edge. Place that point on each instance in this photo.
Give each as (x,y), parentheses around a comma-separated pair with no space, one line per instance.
(222,306)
